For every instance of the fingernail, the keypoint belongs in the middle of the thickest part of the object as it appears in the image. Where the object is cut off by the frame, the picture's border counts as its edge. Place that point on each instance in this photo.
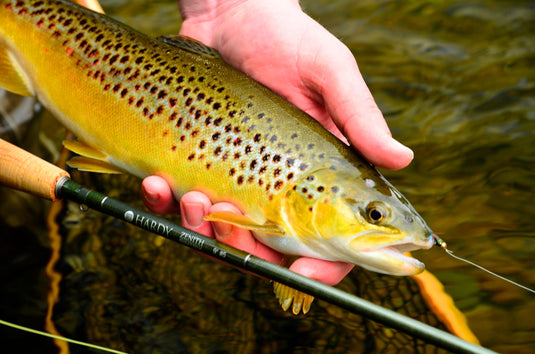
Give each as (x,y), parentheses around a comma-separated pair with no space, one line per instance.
(152,197)
(222,230)
(194,215)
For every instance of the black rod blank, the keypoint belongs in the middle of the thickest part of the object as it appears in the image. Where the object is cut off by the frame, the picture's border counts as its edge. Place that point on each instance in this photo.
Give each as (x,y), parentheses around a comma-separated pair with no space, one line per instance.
(67,189)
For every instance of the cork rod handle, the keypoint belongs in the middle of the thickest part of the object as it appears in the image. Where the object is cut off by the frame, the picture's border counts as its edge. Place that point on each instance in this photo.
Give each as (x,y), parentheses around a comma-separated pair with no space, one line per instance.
(26,172)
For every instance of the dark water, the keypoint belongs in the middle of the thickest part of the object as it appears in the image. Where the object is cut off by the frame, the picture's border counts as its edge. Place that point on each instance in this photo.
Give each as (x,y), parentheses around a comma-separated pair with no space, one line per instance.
(456,83)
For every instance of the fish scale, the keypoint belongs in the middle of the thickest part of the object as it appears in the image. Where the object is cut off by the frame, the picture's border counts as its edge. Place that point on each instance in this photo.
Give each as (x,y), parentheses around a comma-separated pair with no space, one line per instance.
(172,107)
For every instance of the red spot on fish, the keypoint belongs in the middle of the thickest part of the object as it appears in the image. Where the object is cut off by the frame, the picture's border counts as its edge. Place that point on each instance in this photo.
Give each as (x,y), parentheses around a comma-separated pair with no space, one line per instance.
(68,50)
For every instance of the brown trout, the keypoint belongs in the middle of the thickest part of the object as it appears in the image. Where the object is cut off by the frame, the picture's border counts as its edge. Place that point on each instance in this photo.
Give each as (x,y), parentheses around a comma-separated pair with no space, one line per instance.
(172,107)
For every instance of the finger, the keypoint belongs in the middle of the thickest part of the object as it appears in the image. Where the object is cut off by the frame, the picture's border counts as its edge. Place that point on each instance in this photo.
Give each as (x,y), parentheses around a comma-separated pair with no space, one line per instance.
(194,206)
(157,196)
(241,238)
(327,272)
(332,73)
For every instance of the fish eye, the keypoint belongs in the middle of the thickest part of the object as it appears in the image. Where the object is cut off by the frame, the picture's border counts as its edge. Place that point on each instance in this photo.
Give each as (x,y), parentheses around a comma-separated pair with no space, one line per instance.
(376,212)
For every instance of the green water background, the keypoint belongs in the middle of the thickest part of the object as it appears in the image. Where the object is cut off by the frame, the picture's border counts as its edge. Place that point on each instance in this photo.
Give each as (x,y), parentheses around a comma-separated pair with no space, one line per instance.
(456,82)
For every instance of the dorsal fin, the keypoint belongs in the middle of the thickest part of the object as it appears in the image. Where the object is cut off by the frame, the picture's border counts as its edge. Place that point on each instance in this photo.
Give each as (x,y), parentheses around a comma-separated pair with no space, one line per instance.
(190,44)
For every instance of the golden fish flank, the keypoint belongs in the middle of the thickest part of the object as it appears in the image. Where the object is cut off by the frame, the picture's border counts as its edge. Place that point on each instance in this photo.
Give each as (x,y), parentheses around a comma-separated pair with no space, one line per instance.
(173,107)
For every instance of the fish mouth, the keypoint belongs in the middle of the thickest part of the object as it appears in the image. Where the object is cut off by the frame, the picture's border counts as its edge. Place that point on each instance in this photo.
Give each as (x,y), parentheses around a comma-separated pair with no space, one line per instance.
(392,258)
(393,261)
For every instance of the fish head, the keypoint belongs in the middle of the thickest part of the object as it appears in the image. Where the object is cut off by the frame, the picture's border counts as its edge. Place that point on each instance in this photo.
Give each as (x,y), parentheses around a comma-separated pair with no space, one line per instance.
(356,216)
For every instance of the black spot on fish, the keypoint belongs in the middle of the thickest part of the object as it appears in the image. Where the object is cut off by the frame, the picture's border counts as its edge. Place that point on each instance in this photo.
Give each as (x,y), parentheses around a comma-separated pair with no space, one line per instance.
(240,179)
(216,106)
(216,136)
(232,172)
(278,184)
(310,178)
(276,158)
(217,151)
(257,137)
(191,157)
(189,101)
(253,165)
(335,189)
(172,102)
(172,117)
(303,166)
(320,189)
(248,149)
(202,144)
(200,96)
(277,172)
(290,176)
(114,58)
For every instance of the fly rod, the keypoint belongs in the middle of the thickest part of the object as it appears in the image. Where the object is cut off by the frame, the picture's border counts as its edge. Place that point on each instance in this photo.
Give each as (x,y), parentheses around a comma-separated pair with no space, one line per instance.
(24,171)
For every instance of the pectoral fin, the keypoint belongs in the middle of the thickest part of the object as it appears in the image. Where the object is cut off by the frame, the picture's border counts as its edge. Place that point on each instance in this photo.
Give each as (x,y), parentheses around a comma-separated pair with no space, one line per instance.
(12,77)
(244,222)
(91,159)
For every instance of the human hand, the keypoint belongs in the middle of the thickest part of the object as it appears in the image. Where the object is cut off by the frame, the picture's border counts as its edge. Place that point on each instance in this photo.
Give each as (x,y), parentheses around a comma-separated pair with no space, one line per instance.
(194,206)
(280,46)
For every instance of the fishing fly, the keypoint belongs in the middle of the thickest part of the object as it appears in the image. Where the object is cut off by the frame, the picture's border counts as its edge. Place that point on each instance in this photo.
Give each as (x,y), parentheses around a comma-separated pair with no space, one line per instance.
(442,244)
